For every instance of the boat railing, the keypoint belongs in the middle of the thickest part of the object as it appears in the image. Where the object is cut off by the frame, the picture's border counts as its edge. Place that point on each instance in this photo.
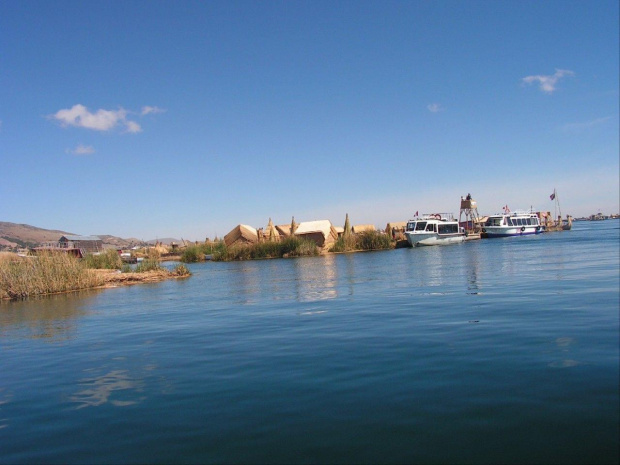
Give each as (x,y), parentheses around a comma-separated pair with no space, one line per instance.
(516,213)
(437,216)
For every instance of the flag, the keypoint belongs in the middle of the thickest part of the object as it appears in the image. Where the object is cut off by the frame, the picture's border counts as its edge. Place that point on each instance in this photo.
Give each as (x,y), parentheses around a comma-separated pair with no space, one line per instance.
(552,196)
(416,213)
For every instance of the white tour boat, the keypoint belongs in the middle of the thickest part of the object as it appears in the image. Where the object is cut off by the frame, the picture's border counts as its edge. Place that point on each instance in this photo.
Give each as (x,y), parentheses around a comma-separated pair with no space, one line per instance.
(434,229)
(517,223)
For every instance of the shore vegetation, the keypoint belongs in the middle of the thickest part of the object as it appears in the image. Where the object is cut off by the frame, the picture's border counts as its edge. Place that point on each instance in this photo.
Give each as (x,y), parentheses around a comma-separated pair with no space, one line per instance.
(367,240)
(52,273)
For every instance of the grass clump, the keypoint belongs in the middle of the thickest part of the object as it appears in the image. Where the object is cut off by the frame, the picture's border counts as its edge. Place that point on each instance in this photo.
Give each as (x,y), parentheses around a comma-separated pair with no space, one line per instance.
(367,240)
(196,253)
(108,260)
(373,240)
(47,273)
(288,247)
(181,270)
(345,243)
(148,264)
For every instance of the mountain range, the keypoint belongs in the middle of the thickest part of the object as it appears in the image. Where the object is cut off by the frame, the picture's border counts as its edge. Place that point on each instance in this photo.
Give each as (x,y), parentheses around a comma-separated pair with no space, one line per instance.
(13,235)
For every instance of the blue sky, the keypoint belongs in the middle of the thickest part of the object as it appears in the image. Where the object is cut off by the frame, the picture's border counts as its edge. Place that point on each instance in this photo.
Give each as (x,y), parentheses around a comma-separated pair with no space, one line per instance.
(183,119)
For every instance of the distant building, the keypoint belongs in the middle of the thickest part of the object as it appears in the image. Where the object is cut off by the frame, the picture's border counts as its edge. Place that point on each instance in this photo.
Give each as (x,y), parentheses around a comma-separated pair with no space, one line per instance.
(87,244)
(74,245)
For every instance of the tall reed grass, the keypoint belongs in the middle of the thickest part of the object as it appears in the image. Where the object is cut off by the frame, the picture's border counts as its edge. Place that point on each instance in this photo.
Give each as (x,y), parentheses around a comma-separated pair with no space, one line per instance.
(288,247)
(368,240)
(108,260)
(47,273)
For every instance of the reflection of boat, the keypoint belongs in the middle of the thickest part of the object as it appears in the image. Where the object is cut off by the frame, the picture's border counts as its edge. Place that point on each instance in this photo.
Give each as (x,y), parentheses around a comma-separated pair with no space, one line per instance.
(517,223)
(434,229)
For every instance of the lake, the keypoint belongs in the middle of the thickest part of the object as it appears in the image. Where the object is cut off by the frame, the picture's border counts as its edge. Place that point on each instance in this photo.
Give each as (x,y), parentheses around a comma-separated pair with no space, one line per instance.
(490,351)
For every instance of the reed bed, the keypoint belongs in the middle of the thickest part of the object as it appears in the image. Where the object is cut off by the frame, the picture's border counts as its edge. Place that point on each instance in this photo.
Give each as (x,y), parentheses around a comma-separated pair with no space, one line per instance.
(47,273)
(367,240)
(108,260)
(288,247)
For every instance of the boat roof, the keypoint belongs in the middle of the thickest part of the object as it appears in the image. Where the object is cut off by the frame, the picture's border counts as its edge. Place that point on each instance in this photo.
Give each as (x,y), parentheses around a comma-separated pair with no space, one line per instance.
(434,217)
(516,213)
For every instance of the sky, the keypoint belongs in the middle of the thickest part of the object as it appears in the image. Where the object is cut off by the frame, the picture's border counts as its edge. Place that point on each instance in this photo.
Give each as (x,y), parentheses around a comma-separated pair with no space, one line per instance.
(156,119)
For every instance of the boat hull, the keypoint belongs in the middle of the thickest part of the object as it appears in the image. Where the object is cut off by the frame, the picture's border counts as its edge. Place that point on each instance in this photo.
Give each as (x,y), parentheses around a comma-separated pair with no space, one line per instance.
(503,231)
(424,239)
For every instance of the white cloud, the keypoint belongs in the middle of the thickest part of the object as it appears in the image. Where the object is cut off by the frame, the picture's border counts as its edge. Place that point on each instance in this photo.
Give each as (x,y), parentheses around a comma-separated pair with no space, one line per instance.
(146,110)
(547,84)
(101,120)
(82,150)
(133,127)
(586,124)
(434,107)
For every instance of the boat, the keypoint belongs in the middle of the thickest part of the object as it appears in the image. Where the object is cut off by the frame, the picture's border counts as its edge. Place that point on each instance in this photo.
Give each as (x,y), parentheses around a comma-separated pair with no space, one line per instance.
(434,229)
(512,223)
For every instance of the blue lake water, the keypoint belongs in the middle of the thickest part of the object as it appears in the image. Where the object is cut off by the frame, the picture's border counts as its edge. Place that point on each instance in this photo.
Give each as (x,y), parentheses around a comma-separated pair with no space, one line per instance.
(491,351)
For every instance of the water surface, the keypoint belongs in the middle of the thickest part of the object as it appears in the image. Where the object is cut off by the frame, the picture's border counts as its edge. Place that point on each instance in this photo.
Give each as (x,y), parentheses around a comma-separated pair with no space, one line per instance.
(492,351)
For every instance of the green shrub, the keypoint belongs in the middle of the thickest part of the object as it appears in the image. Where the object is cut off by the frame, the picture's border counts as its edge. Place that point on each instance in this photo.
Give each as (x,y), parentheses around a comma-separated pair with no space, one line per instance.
(147,265)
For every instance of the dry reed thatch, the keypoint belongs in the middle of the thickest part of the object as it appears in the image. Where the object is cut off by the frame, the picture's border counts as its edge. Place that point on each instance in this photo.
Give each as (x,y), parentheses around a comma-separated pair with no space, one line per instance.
(241,234)
(360,228)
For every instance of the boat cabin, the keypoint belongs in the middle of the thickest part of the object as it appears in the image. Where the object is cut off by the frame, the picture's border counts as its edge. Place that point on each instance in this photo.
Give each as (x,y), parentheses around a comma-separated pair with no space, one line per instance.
(504,220)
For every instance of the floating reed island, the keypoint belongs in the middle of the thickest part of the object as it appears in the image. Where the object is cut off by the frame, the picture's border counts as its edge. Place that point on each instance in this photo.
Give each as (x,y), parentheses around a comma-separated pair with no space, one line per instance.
(56,272)
(81,263)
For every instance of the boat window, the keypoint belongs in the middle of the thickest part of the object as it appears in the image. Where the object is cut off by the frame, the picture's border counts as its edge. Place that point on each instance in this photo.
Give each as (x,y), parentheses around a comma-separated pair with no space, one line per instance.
(410,226)
(494,221)
(430,227)
(420,226)
(448,229)
(510,222)
(529,221)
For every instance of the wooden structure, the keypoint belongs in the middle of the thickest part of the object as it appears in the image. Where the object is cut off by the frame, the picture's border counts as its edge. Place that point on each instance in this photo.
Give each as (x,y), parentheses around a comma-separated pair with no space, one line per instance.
(87,244)
(469,219)
(78,246)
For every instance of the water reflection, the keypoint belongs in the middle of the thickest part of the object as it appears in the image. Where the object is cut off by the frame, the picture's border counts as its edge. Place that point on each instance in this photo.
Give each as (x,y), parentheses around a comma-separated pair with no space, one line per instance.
(51,318)
(116,387)
(302,279)
(473,270)
(315,279)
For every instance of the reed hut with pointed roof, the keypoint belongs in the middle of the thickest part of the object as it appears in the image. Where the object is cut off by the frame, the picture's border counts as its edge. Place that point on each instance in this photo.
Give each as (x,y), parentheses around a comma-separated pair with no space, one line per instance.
(241,234)
(271,233)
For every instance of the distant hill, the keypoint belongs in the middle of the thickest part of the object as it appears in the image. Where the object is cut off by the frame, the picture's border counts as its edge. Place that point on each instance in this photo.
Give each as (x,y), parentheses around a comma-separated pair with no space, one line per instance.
(164,240)
(14,235)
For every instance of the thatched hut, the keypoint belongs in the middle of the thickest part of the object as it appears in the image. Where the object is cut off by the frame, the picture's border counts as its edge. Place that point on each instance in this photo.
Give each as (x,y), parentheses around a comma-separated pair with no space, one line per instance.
(271,233)
(360,228)
(241,234)
(321,232)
